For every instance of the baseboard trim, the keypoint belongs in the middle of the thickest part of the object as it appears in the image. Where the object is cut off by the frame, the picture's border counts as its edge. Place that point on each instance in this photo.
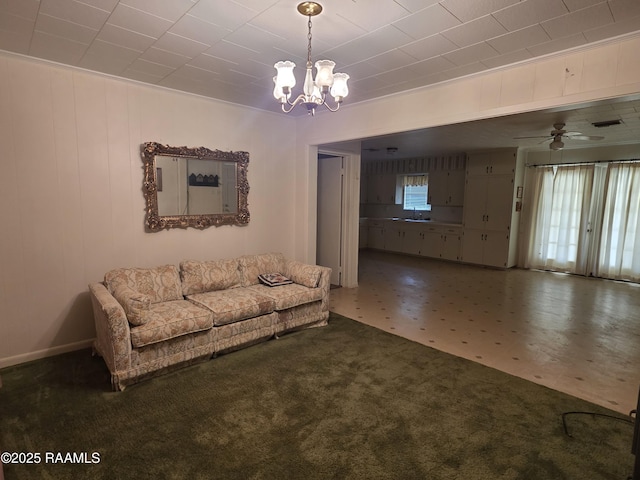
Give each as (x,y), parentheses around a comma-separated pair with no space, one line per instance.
(47,352)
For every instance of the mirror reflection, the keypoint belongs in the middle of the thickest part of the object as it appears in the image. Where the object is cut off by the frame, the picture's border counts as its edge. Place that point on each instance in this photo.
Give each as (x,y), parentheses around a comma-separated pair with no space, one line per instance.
(190,186)
(194,187)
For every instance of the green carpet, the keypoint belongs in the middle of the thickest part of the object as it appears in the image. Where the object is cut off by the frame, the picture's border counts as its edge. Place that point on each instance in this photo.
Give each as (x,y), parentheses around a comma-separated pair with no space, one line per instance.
(346,401)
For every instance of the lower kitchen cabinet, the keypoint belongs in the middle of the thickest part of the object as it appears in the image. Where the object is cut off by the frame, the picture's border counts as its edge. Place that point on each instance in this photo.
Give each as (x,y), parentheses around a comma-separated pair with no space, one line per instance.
(413,241)
(375,237)
(451,245)
(423,239)
(393,239)
(486,247)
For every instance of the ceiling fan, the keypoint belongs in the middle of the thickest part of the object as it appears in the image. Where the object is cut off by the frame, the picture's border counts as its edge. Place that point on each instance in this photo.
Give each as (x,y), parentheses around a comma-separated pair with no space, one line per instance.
(558,133)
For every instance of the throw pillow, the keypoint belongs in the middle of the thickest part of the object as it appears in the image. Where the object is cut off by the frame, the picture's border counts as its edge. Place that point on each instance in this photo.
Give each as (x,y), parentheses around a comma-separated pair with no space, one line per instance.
(135,304)
(304,274)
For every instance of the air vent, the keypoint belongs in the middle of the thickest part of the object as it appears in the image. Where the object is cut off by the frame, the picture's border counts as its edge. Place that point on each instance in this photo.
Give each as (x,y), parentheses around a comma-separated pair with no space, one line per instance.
(608,123)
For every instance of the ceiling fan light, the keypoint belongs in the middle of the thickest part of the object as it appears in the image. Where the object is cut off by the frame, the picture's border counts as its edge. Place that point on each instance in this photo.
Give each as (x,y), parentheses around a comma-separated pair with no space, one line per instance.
(556,145)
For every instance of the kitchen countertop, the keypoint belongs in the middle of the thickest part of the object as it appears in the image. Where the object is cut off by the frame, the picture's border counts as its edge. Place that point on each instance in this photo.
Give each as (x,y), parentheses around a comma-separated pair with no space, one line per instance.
(410,220)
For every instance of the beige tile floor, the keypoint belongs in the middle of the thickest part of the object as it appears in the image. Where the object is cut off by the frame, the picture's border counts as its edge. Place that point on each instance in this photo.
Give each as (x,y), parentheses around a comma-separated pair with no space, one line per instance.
(570,333)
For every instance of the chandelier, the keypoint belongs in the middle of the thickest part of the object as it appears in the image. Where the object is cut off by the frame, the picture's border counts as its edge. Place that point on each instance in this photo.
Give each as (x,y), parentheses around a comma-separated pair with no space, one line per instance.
(314,92)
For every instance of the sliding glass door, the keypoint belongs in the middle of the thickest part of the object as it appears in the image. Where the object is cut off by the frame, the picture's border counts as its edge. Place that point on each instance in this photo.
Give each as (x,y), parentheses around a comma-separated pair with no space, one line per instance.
(585,219)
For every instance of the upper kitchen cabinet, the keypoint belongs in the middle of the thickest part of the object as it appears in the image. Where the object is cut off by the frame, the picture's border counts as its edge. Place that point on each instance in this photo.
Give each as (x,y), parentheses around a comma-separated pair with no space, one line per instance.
(381,188)
(447,181)
(382,179)
(492,163)
(491,210)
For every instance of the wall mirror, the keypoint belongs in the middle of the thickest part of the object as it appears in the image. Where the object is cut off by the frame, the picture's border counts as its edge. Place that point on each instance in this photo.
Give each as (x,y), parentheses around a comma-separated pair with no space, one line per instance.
(194,187)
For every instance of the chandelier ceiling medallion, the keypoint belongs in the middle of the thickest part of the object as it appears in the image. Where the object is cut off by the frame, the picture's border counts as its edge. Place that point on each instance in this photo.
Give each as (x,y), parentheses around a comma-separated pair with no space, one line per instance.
(314,92)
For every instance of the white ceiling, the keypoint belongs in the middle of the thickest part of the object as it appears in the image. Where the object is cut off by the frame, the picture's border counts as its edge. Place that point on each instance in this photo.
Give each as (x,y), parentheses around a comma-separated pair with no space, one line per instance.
(226,49)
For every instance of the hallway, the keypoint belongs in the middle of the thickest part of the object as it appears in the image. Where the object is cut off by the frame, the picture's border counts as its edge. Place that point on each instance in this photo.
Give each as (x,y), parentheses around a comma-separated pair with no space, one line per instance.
(574,334)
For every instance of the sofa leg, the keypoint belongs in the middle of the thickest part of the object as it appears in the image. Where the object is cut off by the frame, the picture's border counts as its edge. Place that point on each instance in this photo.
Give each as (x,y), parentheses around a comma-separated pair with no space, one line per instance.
(115,384)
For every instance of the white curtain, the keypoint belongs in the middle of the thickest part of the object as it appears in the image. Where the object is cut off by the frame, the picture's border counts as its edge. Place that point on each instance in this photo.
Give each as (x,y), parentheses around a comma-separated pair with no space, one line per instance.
(619,252)
(560,216)
(585,219)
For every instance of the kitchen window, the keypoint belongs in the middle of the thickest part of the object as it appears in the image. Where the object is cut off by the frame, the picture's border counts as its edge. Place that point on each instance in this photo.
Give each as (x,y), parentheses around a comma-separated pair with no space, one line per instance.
(415,192)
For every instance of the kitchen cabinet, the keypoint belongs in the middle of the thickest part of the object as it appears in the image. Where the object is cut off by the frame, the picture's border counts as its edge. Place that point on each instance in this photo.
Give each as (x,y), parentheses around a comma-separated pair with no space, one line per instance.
(450,244)
(402,237)
(446,187)
(426,239)
(486,247)
(488,210)
(491,163)
(413,241)
(375,236)
(491,198)
(393,236)
(442,242)
(381,189)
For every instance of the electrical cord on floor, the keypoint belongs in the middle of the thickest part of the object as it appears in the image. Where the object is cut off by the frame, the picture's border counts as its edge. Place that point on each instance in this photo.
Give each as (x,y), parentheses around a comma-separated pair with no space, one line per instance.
(621,419)
(630,420)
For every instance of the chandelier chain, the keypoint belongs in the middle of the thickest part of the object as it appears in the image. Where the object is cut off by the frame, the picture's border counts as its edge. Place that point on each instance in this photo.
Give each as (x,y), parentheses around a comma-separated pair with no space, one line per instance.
(309,46)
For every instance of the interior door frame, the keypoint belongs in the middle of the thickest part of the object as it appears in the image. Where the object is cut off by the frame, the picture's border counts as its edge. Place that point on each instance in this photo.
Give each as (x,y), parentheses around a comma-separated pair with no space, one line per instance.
(350,215)
(329,242)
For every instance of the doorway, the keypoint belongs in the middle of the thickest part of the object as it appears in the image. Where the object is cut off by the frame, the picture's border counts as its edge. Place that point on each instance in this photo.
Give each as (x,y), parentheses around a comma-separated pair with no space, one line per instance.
(329,243)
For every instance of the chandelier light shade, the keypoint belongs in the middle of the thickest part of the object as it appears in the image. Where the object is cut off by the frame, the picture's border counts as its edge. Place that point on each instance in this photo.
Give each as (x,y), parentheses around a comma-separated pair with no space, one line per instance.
(314,91)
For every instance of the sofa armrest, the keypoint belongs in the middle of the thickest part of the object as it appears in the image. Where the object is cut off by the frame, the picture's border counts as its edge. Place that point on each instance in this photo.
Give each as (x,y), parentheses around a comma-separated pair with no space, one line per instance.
(294,269)
(113,337)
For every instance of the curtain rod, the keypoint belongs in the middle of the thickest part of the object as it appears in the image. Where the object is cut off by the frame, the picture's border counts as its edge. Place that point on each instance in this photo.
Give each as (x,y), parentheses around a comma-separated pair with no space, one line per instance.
(579,163)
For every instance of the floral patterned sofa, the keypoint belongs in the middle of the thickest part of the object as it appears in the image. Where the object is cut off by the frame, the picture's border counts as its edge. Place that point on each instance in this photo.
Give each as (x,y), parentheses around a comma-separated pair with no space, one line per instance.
(152,320)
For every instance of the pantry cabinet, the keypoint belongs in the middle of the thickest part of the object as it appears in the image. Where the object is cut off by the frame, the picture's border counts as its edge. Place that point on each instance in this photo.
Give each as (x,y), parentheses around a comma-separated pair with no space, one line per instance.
(488,213)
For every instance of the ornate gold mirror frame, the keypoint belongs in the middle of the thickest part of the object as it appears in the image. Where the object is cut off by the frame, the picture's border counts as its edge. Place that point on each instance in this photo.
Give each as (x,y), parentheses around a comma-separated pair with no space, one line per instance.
(153,182)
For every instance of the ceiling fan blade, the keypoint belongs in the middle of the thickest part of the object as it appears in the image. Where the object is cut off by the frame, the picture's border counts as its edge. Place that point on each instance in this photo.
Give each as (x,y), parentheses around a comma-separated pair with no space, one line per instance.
(585,137)
(541,136)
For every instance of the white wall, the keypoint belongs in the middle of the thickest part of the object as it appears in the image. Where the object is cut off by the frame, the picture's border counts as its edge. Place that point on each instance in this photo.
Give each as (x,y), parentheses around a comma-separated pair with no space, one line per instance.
(71,202)
(599,72)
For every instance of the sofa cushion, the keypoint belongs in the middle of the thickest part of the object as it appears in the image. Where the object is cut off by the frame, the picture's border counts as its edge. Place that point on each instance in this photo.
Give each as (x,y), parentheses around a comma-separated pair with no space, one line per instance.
(233,305)
(166,320)
(200,277)
(287,296)
(253,265)
(160,284)
(303,273)
(135,304)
